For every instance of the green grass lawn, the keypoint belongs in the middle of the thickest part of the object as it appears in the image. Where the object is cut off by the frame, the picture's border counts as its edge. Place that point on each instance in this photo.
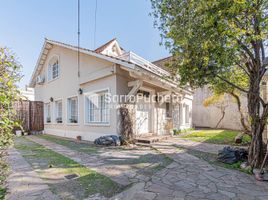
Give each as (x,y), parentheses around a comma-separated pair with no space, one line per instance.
(216,137)
(72,144)
(137,160)
(52,167)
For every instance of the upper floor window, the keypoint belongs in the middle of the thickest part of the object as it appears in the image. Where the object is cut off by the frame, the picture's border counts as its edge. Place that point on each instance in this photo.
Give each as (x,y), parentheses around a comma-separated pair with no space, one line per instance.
(53,68)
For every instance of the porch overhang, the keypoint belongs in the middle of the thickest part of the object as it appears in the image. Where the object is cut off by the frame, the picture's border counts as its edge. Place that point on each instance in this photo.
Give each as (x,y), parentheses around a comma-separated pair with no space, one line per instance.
(140,74)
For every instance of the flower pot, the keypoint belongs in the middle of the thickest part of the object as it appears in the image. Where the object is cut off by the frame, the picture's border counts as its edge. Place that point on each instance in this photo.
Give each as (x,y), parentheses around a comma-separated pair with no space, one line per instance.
(18,133)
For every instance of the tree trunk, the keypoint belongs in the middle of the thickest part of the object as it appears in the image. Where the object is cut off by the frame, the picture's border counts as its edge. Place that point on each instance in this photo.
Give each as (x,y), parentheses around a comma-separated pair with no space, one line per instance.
(258,121)
(256,147)
(223,114)
(242,117)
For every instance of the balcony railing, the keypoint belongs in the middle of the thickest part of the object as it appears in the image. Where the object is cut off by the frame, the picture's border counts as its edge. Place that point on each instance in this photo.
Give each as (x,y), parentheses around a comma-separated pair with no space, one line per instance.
(134,58)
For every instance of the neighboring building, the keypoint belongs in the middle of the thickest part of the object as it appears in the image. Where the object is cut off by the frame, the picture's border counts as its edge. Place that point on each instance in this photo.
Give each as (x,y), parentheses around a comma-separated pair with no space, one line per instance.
(75,105)
(27,94)
(208,117)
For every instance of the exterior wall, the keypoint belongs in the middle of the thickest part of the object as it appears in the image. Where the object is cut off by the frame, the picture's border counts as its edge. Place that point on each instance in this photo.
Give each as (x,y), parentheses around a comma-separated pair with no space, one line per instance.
(67,85)
(179,121)
(116,81)
(209,116)
(159,119)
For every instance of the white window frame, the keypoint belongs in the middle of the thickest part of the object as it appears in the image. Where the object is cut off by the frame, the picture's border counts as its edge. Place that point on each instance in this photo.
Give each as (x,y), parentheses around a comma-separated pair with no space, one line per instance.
(50,69)
(68,111)
(57,101)
(46,109)
(87,97)
(168,110)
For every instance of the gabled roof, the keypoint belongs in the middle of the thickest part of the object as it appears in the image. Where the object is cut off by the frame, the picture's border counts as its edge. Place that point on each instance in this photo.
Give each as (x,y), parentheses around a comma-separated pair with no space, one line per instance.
(48,44)
(102,47)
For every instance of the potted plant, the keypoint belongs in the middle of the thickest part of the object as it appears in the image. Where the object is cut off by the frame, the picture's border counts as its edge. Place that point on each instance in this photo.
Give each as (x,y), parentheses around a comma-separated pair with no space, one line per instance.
(48,119)
(59,120)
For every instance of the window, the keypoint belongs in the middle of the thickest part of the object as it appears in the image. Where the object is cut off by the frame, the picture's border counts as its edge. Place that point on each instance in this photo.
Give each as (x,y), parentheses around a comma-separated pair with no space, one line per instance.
(47,113)
(58,110)
(168,110)
(186,114)
(97,108)
(73,110)
(53,68)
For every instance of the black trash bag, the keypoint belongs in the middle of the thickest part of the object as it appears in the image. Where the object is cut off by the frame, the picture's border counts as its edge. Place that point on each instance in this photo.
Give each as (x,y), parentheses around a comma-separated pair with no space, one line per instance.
(231,155)
(109,140)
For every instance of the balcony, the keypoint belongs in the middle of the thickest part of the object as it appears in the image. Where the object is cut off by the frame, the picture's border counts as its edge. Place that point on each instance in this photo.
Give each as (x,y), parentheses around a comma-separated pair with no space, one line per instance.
(145,64)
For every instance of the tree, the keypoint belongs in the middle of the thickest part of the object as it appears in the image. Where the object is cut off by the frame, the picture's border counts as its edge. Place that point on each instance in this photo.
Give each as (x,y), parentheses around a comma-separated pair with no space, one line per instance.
(220,87)
(9,76)
(219,102)
(211,39)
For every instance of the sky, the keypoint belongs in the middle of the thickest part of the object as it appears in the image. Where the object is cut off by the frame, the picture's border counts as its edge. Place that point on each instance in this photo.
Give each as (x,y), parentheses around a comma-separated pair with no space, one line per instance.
(25,24)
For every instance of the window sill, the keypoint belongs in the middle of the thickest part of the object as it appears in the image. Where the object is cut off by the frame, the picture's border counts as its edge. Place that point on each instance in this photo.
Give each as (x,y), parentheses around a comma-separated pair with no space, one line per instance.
(97,124)
(49,81)
(72,124)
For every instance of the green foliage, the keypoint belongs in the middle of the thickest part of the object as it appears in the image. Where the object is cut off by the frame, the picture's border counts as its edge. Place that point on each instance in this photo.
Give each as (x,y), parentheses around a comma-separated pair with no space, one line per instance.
(9,76)
(220,40)
(179,131)
(209,37)
(213,100)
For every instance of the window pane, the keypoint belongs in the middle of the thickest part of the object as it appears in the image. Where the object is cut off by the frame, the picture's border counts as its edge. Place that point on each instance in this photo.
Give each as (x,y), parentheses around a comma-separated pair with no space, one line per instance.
(59,111)
(73,110)
(97,108)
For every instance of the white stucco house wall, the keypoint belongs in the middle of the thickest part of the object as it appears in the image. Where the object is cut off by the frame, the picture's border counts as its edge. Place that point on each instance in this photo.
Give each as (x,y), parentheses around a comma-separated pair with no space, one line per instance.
(75,95)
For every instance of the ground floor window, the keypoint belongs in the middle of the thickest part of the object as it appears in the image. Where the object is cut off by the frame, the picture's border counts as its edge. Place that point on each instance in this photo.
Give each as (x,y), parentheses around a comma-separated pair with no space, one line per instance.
(187,114)
(58,110)
(72,114)
(168,110)
(97,109)
(47,112)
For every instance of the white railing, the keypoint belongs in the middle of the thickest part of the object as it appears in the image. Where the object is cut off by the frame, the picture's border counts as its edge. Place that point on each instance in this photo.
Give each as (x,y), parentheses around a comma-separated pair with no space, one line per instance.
(134,58)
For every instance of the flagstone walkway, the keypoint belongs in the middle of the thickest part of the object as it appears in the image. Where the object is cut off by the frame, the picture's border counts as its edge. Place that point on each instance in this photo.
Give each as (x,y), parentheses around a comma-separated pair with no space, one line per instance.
(187,177)
(112,163)
(23,183)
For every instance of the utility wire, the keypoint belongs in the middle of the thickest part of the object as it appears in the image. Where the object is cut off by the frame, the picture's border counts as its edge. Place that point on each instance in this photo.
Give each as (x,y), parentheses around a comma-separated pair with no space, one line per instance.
(95,23)
(78,39)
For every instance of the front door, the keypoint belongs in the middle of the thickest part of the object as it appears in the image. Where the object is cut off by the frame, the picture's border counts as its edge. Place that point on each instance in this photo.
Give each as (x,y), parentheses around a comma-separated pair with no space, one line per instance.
(143,117)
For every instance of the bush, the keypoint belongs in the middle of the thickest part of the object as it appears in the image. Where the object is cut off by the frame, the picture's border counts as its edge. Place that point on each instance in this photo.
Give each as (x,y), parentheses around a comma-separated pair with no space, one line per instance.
(9,76)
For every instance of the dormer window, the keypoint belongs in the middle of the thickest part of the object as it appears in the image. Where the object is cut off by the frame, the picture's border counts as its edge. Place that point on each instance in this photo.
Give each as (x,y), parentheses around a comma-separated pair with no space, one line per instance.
(53,68)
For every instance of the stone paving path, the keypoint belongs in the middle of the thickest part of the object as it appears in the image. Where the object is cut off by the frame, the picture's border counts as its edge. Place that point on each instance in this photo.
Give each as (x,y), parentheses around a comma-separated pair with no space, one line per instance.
(23,183)
(199,146)
(107,163)
(191,178)
(187,177)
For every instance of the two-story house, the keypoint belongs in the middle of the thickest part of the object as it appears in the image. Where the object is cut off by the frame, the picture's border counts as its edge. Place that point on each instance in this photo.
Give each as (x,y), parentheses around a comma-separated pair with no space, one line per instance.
(80,92)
